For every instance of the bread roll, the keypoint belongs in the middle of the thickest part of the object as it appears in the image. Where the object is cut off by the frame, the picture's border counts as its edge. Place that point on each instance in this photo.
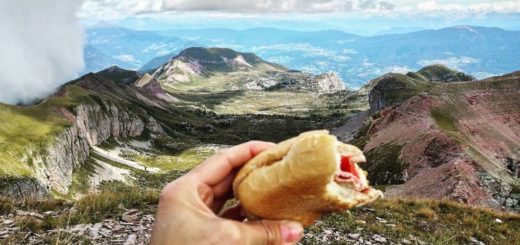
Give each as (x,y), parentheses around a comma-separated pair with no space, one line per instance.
(302,178)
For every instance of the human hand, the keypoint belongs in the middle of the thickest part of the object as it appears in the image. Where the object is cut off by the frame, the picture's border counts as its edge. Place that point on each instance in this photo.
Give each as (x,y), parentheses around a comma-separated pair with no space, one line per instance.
(189,206)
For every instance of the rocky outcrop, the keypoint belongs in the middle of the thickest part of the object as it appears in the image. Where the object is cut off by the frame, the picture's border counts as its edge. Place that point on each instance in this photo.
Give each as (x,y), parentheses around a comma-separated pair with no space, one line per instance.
(92,125)
(22,187)
(330,83)
(151,88)
(326,83)
(98,124)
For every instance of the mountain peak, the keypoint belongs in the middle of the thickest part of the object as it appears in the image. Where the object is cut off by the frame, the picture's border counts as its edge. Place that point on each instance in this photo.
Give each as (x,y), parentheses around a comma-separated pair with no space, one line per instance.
(198,62)
(219,55)
(441,73)
(119,75)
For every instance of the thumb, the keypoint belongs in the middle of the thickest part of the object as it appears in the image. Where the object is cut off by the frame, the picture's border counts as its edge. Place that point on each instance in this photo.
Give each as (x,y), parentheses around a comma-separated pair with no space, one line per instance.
(268,232)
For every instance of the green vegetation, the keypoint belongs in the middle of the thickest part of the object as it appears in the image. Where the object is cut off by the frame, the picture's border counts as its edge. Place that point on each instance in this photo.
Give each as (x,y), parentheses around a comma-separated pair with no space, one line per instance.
(23,131)
(441,73)
(362,136)
(81,177)
(515,189)
(184,160)
(444,119)
(395,88)
(432,221)
(90,209)
(384,165)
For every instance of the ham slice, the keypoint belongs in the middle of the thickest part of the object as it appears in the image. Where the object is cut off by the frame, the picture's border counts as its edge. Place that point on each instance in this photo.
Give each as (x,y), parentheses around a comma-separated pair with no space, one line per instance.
(349,173)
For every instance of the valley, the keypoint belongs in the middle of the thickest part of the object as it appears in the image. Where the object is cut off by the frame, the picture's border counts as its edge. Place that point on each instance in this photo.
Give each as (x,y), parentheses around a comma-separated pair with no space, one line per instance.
(105,144)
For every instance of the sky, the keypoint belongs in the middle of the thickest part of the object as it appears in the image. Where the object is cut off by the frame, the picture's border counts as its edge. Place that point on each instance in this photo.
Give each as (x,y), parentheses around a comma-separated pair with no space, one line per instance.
(363,17)
(115,9)
(43,40)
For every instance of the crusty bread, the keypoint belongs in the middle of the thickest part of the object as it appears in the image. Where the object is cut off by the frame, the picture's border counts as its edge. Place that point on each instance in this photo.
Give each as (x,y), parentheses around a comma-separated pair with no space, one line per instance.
(295,180)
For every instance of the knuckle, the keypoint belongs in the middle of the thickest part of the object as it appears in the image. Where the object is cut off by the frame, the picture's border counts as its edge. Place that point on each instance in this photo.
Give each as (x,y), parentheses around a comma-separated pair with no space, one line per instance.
(272,232)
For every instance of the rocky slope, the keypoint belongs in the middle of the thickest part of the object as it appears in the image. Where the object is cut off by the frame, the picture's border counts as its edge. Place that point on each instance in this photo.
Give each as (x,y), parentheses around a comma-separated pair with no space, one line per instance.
(91,120)
(457,141)
(195,63)
(226,69)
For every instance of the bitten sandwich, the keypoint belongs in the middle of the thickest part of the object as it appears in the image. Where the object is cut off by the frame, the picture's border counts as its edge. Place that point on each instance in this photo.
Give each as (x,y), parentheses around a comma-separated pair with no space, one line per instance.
(302,178)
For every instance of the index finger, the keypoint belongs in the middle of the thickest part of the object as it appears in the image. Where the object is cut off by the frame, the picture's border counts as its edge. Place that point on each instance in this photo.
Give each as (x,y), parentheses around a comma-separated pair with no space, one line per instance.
(216,168)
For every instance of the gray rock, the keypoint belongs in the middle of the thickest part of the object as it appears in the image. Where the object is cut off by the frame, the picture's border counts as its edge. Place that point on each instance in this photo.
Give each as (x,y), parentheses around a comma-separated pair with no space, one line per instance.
(130,216)
(93,232)
(354,236)
(8,222)
(476,241)
(131,240)
(379,238)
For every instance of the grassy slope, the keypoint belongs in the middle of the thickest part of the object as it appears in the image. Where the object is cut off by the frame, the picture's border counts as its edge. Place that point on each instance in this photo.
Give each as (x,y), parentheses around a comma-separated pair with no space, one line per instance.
(221,93)
(432,221)
(30,129)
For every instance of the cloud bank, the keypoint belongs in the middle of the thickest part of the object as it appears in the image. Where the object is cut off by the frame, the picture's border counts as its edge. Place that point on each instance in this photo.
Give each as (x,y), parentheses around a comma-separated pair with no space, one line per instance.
(277,6)
(41,47)
(114,9)
(501,7)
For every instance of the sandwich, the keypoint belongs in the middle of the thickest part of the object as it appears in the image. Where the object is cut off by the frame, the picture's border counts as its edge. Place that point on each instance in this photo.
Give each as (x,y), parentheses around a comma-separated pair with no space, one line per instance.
(303,178)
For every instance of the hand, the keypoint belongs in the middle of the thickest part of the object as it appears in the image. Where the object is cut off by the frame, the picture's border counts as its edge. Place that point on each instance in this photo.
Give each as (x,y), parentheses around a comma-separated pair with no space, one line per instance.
(188,206)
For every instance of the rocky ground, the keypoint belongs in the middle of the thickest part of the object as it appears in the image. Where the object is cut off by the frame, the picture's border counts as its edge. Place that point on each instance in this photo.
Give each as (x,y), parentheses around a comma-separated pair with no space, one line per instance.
(134,227)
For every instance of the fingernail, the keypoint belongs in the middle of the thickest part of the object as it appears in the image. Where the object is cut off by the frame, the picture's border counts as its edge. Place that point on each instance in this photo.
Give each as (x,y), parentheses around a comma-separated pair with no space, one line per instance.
(291,231)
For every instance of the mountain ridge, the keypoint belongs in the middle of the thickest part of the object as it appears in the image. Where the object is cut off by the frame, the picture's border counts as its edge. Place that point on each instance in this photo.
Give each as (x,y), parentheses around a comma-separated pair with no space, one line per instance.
(443,142)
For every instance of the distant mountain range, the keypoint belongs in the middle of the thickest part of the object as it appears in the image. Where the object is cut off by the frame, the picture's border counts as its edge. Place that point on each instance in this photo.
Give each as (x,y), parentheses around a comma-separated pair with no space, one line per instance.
(479,51)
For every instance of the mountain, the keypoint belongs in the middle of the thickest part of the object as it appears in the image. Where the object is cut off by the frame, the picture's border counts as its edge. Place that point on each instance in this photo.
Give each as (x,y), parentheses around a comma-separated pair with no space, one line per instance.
(252,40)
(117,124)
(394,88)
(93,157)
(456,140)
(226,69)
(441,73)
(478,51)
(95,60)
(193,63)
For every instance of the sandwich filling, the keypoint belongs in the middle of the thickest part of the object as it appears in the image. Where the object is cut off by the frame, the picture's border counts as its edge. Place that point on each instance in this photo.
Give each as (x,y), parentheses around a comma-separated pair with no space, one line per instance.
(351,176)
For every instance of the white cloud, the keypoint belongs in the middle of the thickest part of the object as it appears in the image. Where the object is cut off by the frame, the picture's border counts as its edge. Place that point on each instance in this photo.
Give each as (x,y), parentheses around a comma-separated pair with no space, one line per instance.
(305,48)
(453,62)
(125,58)
(277,6)
(116,9)
(41,47)
(478,8)
(113,9)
